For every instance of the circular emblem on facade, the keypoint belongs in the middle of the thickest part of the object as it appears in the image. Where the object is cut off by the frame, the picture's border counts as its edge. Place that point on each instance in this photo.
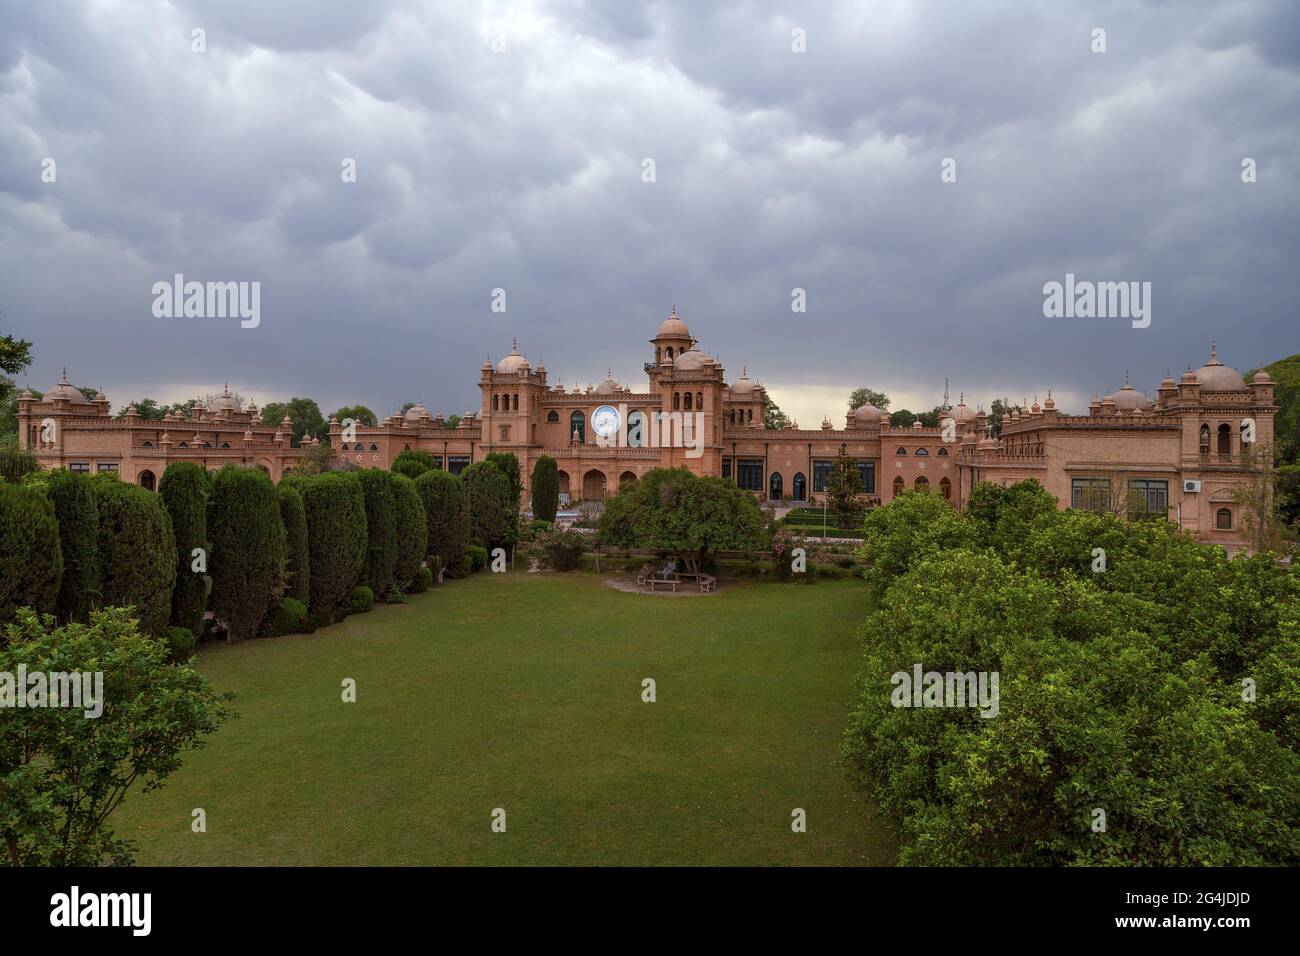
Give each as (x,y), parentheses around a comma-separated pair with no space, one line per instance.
(605,421)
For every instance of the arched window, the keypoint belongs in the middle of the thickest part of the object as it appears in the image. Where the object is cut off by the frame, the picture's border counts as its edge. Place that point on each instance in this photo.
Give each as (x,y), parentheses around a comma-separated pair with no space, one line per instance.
(898,486)
(183,444)
(225,444)
(374,447)
(670,352)
(1225,439)
(923,452)
(922,483)
(945,489)
(943,453)
(148,444)
(902,452)
(578,423)
(774,486)
(749,415)
(146,480)
(677,401)
(688,401)
(553,417)
(699,401)
(1223,519)
(1205,439)
(207,444)
(514,402)
(360,447)
(496,405)
(799,487)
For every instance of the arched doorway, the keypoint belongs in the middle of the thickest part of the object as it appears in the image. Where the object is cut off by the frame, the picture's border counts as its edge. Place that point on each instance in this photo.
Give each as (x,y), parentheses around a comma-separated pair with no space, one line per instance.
(147,480)
(774,486)
(626,478)
(898,486)
(1225,439)
(922,483)
(593,486)
(799,487)
(945,489)
(564,487)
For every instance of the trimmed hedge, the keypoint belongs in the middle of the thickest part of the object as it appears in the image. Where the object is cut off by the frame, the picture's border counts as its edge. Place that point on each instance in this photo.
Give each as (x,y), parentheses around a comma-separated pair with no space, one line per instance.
(73,498)
(446,510)
(381,529)
(412,531)
(297,549)
(180,642)
(248,548)
(336,537)
(492,518)
(413,464)
(478,557)
(184,493)
(546,489)
(361,600)
(31,558)
(289,617)
(423,581)
(137,553)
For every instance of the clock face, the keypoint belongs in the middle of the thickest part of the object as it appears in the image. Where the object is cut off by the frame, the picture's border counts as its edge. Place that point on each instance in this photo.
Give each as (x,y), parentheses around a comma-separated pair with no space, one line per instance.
(605,421)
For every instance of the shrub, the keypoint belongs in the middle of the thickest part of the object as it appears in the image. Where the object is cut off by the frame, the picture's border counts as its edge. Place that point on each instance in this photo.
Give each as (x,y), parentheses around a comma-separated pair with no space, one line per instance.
(31,559)
(361,600)
(137,552)
(336,534)
(73,498)
(16,463)
(296,547)
(65,773)
(491,515)
(412,531)
(180,642)
(248,546)
(912,525)
(381,529)
(447,517)
(546,489)
(289,617)
(478,557)
(563,548)
(423,581)
(184,493)
(538,526)
(413,464)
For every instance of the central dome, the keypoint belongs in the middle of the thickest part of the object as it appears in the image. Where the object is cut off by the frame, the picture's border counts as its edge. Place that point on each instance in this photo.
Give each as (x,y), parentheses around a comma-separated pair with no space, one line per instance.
(865,416)
(674,326)
(513,362)
(1214,376)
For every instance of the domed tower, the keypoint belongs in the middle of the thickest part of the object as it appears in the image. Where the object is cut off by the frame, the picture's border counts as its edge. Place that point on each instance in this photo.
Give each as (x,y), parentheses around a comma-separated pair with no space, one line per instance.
(673,339)
(511,399)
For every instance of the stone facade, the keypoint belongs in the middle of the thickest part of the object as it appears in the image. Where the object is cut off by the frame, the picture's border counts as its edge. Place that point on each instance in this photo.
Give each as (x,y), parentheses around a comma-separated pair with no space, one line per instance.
(1185,452)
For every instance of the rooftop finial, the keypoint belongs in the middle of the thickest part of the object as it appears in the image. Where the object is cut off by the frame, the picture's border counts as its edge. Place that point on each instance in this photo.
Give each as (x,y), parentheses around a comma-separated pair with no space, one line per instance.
(674,312)
(514,346)
(63,379)
(1127,382)
(1214,351)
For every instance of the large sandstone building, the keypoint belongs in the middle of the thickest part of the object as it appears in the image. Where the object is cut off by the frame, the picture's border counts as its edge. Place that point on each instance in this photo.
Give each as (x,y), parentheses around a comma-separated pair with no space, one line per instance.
(1184,453)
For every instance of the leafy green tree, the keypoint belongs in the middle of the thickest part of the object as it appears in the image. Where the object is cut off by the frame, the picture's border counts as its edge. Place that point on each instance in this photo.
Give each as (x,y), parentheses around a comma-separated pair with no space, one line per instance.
(63,774)
(184,492)
(490,509)
(248,549)
(546,489)
(381,533)
(446,508)
(137,552)
(306,416)
(773,417)
(843,485)
(412,531)
(358,413)
(413,464)
(15,354)
(868,396)
(453,421)
(509,466)
(31,557)
(912,525)
(297,549)
(73,498)
(16,463)
(674,510)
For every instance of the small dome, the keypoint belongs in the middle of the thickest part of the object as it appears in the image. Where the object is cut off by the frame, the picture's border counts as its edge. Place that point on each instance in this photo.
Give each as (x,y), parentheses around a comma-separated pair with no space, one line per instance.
(867,416)
(1217,377)
(742,385)
(1189,377)
(674,326)
(1129,399)
(690,360)
(416,413)
(1261,378)
(64,390)
(100,396)
(227,401)
(28,394)
(514,362)
(962,413)
(609,386)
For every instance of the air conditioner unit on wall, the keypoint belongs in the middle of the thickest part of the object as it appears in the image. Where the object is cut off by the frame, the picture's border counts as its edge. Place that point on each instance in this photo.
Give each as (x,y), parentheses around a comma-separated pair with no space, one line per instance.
(1191,487)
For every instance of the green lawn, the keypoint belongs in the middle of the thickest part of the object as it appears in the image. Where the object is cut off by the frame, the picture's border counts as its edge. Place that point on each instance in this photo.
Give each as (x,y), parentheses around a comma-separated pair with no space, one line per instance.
(523,691)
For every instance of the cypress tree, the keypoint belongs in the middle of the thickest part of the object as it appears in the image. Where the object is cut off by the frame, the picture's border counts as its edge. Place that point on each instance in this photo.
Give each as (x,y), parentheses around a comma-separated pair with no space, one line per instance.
(184,493)
(137,553)
(381,530)
(73,498)
(546,489)
(248,545)
(31,559)
(412,531)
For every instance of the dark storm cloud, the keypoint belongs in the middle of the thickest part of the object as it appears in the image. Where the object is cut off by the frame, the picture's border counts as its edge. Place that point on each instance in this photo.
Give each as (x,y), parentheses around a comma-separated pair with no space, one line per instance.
(521,170)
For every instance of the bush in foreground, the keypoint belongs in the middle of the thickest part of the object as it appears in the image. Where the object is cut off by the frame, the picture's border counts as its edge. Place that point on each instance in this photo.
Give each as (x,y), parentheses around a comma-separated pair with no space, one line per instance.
(447,517)
(137,552)
(562,549)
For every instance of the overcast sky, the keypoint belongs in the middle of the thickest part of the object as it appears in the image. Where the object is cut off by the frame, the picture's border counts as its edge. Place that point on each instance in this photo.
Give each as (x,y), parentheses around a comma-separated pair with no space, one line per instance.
(522,169)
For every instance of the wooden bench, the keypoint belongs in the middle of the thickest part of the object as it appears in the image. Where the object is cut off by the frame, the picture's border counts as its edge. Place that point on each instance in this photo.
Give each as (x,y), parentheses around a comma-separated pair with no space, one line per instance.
(708,583)
(655,583)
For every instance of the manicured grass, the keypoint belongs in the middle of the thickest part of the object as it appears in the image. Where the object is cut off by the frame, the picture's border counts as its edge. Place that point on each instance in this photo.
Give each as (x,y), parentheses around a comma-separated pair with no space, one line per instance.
(523,691)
